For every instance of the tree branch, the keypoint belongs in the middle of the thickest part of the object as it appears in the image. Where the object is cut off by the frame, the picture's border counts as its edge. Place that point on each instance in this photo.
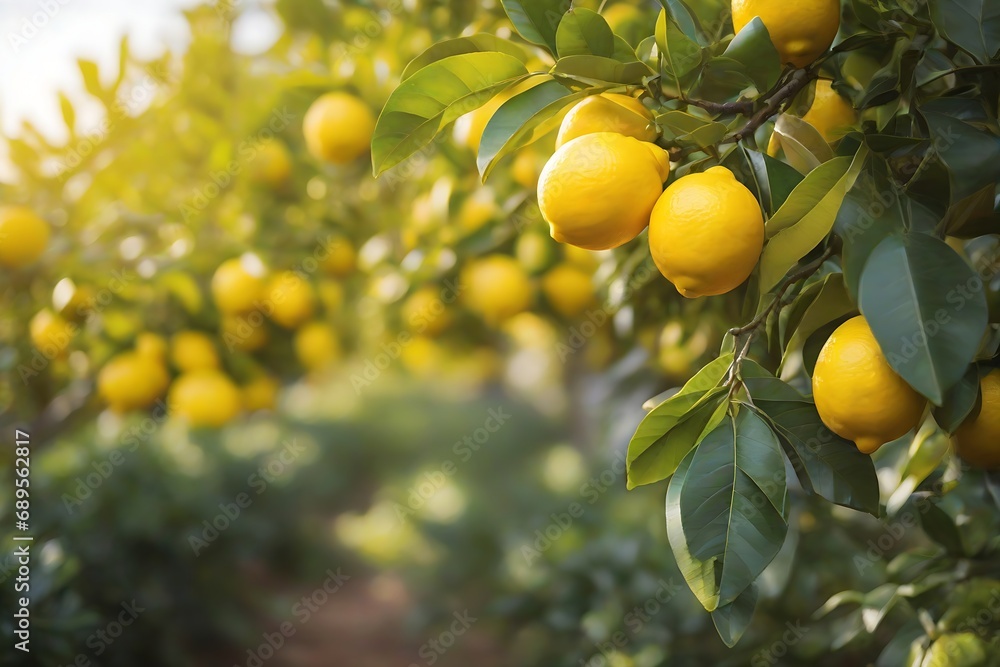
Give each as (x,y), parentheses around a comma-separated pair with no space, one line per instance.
(743,107)
(800,79)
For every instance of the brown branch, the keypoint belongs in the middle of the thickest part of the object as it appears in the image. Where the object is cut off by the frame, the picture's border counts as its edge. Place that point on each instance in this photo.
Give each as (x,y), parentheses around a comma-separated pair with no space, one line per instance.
(799,80)
(744,107)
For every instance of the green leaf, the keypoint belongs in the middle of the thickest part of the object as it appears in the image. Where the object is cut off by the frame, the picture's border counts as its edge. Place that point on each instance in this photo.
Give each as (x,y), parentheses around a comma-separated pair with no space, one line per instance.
(972,25)
(623,51)
(687,128)
(434,97)
(723,78)
(68,114)
(685,19)
(699,575)
(584,32)
(805,148)
(680,53)
(971,155)
(91,77)
(917,295)
(666,434)
(523,119)
(477,43)
(732,620)
(595,70)
(537,20)
(941,528)
(806,217)
(752,47)
(733,502)
(830,303)
(775,179)
(959,401)
(926,452)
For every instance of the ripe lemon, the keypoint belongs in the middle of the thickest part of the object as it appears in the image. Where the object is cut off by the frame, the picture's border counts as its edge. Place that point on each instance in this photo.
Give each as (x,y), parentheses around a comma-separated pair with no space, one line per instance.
(801,31)
(261,393)
(496,287)
(422,356)
(51,334)
(477,210)
(235,288)
(290,300)
(706,233)
(205,397)
(23,236)
(469,128)
(425,312)
(526,168)
(338,128)
(536,250)
(858,395)
(341,258)
(317,346)
(271,164)
(152,346)
(569,290)
(978,439)
(132,381)
(608,112)
(830,113)
(597,191)
(246,334)
(192,351)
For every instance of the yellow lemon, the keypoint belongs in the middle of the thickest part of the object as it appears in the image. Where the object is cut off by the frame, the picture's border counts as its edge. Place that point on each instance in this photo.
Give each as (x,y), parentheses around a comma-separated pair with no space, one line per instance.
(271,165)
(338,128)
(496,287)
(261,393)
(608,112)
(569,290)
(830,113)
(290,300)
(706,233)
(978,439)
(236,288)
(205,397)
(801,31)
(132,381)
(425,312)
(341,259)
(244,333)
(422,356)
(51,334)
(317,346)
(598,190)
(151,345)
(858,395)
(585,259)
(469,128)
(526,168)
(477,210)
(536,250)
(23,236)
(193,350)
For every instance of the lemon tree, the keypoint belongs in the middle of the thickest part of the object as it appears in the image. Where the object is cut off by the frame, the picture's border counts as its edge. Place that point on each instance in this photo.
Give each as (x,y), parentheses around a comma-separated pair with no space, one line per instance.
(827,172)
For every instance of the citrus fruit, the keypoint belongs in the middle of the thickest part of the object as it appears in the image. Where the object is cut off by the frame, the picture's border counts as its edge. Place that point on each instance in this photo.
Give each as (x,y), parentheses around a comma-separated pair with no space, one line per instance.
(271,165)
(236,288)
(858,395)
(23,236)
(205,397)
(422,356)
(536,250)
(477,210)
(290,299)
(340,259)
(526,168)
(243,333)
(317,346)
(260,393)
(193,350)
(706,233)
(151,345)
(132,381)
(597,191)
(978,439)
(425,312)
(496,287)
(830,113)
(469,128)
(50,333)
(800,31)
(569,290)
(608,112)
(338,128)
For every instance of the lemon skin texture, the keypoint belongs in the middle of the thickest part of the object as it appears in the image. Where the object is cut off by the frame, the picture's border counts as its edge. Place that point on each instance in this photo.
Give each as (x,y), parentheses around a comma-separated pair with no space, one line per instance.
(608,112)
(801,31)
(858,395)
(830,113)
(706,233)
(978,439)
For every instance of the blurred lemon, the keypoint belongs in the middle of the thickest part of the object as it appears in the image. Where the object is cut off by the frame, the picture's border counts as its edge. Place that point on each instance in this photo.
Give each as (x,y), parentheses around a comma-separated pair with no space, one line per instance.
(260,393)
(341,259)
(536,251)
(331,295)
(801,31)
(706,233)
(597,191)
(51,334)
(978,439)
(271,165)
(338,128)
(569,290)
(422,356)
(424,312)
(317,346)
(193,350)
(205,397)
(291,299)
(830,113)
(477,210)
(132,381)
(151,345)
(496,287)
(608,112)
(23,236)
(238,333)
(526,168)
(585,259)
(858,395)
(469,128)
(629,22)
(235,288)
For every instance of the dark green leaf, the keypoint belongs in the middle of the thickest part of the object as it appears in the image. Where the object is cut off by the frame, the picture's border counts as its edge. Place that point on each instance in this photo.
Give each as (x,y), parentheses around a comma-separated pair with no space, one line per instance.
(959,401)
(454,47)
(940,527)
(971,155)
(699,575)
(973,25)
(752,48)
(775,179)
(680,53)
(686,128)
(732,620)
(623,51)
(831,303)
(537,20)
(594,70)
(584,32)
(685,19)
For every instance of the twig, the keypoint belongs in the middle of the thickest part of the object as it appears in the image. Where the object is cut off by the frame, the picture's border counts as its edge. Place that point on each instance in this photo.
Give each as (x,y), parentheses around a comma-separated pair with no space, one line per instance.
(743,107)
(800,78)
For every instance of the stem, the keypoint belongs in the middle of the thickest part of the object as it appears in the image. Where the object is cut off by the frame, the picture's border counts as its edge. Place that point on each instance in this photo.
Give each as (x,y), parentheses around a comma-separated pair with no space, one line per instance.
(799,79)
(743,107)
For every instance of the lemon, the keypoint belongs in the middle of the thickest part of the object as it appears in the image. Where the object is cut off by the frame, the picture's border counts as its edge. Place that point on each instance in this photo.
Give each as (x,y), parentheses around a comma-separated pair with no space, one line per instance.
(271,165)
(536,250)
(341,258)
(132,381)
(857,394)
(425,312)
(801,31)
(830,113)
(569,290)
(422,356)
(338,128)
(317,346)
(261,393)
(51,334)
(23,236)
(585,259)
(706,233)
(193,350)
(469,128)
(496,288)
(244,333)
(598,190)
(978,439)
(290,300)
(477,210)
(526,168)
(608,112)
(151,345)
(236,288)
(205,397)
